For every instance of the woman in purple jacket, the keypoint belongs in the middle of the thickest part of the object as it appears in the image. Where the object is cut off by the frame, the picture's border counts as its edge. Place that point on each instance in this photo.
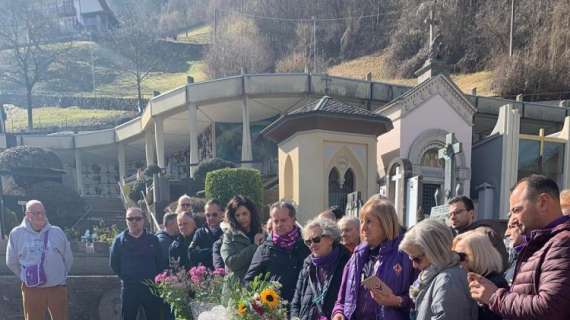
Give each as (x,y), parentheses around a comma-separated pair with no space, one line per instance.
(377,255)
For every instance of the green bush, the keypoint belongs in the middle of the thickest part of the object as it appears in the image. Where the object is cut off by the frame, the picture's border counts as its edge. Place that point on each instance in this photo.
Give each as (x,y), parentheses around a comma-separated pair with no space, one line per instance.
(207,166)
(223,184)
(63,205)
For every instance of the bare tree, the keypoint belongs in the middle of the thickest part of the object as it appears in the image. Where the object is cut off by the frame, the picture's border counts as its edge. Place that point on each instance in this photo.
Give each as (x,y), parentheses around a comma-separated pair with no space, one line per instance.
(136,40)
(26,29)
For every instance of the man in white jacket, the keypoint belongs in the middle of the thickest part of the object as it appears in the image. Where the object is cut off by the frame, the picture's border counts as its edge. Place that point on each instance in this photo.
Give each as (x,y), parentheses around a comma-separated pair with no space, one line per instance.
(36,248)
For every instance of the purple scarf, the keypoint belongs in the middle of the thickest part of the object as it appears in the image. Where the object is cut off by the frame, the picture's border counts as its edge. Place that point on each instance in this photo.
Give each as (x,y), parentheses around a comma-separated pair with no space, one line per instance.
(328,261)
(288,240)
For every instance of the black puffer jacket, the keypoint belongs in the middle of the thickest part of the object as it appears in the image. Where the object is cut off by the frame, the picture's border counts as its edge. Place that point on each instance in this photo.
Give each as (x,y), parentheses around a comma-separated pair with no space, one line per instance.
(200,249)
(284,266)
(302,305)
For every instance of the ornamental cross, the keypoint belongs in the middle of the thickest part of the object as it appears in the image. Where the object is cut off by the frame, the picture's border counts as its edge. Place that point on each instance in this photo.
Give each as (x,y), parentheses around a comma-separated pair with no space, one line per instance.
(447,153)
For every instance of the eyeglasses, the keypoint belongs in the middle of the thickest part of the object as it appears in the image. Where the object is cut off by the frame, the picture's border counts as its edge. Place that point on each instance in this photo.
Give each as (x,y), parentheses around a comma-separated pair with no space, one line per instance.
(316,239)
(418,259)
(131,219)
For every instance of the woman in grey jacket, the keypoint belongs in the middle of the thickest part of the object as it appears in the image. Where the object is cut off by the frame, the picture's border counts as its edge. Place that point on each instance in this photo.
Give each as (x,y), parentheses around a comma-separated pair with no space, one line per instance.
(441,291)
(242,237)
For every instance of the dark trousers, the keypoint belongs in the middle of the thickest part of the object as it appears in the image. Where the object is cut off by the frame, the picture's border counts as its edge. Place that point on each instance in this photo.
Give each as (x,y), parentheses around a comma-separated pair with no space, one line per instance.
(134,296)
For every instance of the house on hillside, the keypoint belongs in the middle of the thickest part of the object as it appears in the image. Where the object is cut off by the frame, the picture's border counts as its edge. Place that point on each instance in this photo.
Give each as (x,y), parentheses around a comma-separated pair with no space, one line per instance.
(94,16)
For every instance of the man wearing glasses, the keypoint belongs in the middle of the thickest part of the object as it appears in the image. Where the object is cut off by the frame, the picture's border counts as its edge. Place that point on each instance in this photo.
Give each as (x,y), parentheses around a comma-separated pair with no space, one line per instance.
(136,258)
(200,251)
(40,255)
(461,214)
(462,219)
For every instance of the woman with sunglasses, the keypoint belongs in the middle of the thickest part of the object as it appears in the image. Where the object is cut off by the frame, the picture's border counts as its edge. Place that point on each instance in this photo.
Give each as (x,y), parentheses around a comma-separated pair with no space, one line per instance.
(477,254)
(377,277)
(320,277)
(441,290)
(242,237)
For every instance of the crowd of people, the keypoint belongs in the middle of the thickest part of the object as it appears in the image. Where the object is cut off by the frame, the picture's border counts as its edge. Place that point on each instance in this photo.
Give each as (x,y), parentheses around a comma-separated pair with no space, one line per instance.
(334,267)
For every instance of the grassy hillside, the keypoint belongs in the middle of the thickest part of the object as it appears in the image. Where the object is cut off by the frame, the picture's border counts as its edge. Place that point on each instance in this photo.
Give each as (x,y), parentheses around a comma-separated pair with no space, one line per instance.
(358,68)
(49,117)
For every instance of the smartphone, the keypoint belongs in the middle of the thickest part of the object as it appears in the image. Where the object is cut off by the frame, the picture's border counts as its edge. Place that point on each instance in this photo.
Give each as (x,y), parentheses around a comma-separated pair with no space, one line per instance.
(372,282)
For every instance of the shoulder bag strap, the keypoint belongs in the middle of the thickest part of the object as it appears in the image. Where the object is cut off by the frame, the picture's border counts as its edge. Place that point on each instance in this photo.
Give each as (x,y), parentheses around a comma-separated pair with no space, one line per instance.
(45,247)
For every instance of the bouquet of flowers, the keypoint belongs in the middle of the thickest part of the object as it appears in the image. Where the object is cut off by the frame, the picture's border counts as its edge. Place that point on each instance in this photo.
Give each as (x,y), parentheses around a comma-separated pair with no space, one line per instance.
(174,287)
(207,285)
(259,300)
(181,289)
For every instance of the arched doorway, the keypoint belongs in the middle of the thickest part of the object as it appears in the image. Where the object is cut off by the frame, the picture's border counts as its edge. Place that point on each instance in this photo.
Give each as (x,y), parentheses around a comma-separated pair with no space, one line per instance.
(340,188)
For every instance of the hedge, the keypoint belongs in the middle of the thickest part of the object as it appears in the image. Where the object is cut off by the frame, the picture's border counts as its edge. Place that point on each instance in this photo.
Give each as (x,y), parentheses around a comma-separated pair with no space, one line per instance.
(225,183)
(208,166)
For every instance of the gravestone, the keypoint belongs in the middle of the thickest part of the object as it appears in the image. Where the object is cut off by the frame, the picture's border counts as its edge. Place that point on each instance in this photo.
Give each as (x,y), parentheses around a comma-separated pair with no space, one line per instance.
(447,153)
(414,212)
(353,204)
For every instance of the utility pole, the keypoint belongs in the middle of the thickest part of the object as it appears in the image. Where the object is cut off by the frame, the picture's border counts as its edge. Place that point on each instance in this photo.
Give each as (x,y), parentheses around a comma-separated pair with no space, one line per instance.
(314,44)
(512,27)
(215,26)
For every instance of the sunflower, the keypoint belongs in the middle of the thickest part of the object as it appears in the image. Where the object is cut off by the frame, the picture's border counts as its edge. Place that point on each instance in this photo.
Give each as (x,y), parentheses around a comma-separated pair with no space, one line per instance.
(270,298)
(241,309)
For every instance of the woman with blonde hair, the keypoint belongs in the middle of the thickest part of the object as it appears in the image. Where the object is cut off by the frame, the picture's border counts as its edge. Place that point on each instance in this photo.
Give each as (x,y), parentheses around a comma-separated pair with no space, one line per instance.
(377,277)
(441,290)
(478,255)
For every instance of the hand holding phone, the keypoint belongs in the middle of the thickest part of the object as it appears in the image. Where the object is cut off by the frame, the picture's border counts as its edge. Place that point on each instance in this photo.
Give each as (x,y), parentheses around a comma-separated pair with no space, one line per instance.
(373,282)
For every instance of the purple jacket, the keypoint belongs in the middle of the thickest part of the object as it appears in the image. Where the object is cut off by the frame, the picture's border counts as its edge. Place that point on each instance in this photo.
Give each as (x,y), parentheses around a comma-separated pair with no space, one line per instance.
(395,269)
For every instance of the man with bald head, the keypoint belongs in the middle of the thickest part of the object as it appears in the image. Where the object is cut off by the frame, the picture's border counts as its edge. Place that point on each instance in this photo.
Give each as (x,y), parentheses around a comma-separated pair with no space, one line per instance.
(40,255)
(136,258)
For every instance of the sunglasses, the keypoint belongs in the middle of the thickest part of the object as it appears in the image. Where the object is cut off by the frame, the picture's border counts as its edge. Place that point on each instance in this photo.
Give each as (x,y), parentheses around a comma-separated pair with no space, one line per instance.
(462,256)
(417,259)
(316,239)
(137,219)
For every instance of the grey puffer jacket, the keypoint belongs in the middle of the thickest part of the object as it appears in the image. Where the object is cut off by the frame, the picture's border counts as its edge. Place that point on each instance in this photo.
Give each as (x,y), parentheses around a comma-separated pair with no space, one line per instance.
(446,297)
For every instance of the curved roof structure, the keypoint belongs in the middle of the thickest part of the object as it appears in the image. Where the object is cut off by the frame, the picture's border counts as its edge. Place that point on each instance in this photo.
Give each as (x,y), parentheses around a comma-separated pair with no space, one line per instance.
(266,95)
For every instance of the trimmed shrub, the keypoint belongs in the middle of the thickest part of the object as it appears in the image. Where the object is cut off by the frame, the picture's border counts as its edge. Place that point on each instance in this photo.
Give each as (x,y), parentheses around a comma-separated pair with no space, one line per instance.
(63,205)
(223,184)
(134,192)
(207,166)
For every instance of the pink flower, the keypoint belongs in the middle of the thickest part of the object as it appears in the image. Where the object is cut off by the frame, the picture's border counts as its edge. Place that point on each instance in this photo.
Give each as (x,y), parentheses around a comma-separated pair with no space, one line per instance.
(198,273)
(219,272)
(160,277)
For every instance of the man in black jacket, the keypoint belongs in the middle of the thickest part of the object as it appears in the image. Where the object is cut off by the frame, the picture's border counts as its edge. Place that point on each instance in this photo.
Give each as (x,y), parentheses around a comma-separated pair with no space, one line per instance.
(136,258)
(282,255)
(179,248)
(167,235)
(200,251)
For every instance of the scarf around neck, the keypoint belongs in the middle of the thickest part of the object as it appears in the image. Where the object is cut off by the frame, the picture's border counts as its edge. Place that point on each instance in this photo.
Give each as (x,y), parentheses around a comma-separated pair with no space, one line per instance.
(327,261)
(286,241)
(425,277)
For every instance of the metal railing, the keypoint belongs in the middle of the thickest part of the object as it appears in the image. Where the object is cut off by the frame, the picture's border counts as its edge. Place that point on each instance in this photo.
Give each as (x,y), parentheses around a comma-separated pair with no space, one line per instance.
(153,223)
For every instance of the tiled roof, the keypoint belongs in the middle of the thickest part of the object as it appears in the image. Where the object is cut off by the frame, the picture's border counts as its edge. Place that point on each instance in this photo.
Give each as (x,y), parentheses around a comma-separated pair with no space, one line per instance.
(329,105)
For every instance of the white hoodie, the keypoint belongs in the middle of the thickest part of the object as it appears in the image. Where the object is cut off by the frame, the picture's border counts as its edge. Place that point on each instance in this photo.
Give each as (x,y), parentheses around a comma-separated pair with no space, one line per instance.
(25,247)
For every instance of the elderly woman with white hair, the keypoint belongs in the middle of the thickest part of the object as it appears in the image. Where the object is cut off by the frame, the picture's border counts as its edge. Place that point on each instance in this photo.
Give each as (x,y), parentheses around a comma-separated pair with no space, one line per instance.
(441,290)
(349,232)
(320,278)
(478,255)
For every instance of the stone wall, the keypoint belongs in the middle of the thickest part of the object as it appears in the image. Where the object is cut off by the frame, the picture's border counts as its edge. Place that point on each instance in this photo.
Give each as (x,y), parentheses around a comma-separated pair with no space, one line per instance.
(90,298)
(94,292)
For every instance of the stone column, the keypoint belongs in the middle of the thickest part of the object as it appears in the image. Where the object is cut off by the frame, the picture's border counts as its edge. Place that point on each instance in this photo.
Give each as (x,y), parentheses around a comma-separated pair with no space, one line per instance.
(149,147)
(193,126)
(122,158)
(508,125)
(246,152)
(78,170)
(213,131)
(159,140)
